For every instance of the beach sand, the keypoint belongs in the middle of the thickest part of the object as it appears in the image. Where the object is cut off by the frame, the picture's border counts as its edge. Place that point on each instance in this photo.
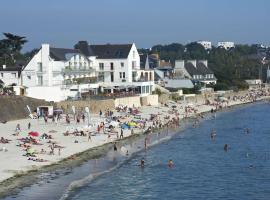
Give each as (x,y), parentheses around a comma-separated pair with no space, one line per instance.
(14,163)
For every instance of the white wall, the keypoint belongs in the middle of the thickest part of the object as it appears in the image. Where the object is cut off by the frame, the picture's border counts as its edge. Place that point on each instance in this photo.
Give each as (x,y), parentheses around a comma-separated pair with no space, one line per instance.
(10,77)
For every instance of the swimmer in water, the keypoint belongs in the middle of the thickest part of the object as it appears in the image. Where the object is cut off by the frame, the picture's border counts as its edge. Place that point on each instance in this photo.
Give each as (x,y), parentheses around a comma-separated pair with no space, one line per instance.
(142,163)
(213,134)
(226,147)
(247,130)
(170,163)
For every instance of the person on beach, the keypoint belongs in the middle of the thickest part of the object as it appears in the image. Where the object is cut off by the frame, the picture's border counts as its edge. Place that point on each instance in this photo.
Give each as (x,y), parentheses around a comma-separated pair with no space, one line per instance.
(83,118)
(59,151)
(100,113)
(132,131)
(18,128)
(122,134)
(170,163)
(114,147)
(29,126)
(89,136)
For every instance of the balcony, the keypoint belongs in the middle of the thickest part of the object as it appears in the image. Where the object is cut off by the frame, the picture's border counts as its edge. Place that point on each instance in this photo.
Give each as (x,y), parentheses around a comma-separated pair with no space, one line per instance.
(78,71)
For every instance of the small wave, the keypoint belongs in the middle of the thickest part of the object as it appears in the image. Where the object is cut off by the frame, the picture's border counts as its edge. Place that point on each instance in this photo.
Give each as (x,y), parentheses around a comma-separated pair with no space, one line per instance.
(82,182)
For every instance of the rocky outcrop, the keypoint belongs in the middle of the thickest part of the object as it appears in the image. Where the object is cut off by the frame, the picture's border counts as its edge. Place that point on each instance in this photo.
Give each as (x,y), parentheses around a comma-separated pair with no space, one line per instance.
(14,107)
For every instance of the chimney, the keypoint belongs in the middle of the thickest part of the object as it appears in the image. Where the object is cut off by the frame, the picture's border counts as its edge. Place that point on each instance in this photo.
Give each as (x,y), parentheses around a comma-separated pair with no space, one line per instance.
(193,62)
(179,64)
(205,62)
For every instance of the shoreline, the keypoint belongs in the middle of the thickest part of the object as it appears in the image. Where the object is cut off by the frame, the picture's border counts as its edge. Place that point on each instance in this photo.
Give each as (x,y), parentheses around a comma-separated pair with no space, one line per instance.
(25,178)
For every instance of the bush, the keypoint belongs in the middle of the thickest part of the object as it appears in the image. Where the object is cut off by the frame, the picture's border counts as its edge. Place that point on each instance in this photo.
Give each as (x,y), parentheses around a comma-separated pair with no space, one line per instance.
(157,91)
(221,86)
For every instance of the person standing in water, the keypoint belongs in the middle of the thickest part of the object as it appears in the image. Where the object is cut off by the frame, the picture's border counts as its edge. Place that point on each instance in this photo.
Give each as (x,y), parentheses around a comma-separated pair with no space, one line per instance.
(142,163)
(114,147)
(226,147)
(145,143)
(213,134)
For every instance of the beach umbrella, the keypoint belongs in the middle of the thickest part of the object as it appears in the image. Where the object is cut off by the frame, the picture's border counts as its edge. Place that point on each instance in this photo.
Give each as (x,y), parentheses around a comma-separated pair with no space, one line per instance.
(34,134)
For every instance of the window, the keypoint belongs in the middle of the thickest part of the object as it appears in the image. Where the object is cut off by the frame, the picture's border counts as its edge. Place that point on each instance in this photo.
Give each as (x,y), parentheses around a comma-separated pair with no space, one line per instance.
(122,64)
(111,66)
(147,89)
(40,80)
(112,77)
(39,66)
(124,74)
(133,64)
(143,89)
(120,74)
(101,66)
(2,75)
(29,77)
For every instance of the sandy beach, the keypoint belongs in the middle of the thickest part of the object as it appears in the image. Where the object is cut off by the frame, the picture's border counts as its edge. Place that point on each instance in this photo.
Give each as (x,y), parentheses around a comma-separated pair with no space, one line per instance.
(12,154)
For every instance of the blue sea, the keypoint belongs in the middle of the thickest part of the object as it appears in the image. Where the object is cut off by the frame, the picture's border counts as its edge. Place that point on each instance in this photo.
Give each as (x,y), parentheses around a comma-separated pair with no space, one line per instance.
(202,169)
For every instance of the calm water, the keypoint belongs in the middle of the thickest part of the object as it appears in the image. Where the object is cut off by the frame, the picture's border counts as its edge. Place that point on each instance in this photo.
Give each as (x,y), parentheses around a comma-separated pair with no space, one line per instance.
(202,169)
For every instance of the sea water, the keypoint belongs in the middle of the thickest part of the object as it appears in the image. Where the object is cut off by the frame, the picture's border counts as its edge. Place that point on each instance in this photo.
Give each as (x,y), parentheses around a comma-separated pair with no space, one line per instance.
(202,169)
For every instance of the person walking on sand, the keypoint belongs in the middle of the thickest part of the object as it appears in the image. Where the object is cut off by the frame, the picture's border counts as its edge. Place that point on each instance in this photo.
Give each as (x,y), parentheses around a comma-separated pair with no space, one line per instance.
(89,136)
(122,134)
(29,126)
(100,113)
(18,128)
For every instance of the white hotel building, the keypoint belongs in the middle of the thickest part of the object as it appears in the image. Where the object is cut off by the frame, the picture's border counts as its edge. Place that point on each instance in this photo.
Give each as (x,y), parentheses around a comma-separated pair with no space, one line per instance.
(54,74)
(226,45)
(206,44)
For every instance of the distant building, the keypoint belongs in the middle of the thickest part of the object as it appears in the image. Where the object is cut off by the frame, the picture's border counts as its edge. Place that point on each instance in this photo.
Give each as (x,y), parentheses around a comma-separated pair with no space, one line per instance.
(226,45)
(197,71)
(206,44)
(11,75)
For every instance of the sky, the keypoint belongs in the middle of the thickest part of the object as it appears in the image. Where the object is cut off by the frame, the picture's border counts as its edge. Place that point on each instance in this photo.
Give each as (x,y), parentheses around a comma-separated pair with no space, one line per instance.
(62,23)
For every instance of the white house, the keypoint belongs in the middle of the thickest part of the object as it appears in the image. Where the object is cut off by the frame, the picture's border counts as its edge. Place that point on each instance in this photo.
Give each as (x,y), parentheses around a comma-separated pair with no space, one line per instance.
(226,45)
(118,66)
(54,74)
(206,44)
(48,73)
(10,75)
(197,71)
